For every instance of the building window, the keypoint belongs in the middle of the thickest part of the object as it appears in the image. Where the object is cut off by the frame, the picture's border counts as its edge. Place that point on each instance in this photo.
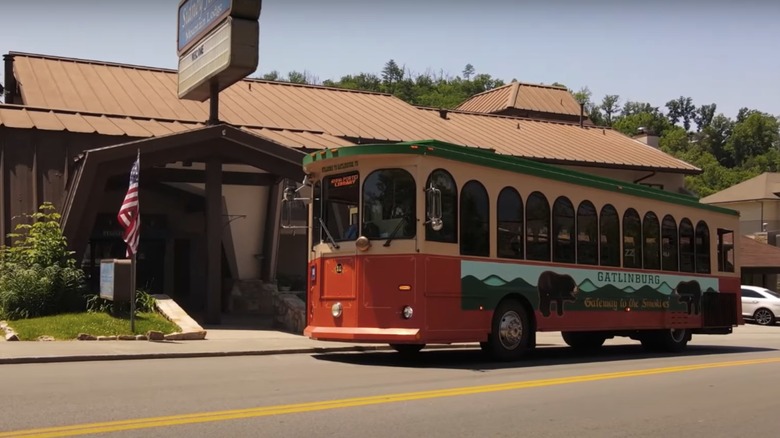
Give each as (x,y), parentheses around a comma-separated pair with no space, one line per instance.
(669,246)
(609,236)
(442,180)
(474,220)
(509,237)
(587,234)
(632,239)
(537,225)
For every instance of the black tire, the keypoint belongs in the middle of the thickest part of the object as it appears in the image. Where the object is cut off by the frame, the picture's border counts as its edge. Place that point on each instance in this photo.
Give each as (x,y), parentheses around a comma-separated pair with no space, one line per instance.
(510,337)
(583,340)
(764,316)
(669,341)
(407,349)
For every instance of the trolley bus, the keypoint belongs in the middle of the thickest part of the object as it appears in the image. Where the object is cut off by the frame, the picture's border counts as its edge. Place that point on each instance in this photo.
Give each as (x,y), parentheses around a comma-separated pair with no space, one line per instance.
(427,242)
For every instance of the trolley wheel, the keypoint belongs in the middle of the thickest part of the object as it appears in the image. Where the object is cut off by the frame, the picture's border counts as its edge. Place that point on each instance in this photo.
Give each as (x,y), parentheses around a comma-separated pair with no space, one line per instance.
(511,332)
(671,340)
(583,340)
(407,349)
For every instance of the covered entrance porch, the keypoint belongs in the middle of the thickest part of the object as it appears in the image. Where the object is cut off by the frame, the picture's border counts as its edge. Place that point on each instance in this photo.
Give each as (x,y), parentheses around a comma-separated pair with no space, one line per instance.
(210,211)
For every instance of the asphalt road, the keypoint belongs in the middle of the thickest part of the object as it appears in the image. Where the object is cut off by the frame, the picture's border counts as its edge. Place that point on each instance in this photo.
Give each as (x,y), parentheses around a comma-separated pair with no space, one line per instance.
(721,387)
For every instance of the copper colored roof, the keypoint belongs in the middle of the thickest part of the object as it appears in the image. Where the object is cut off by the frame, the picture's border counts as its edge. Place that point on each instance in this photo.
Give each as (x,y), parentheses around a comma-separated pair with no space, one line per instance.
(758,255)
(15,116)
(532,97)
(561,142)
(117,99)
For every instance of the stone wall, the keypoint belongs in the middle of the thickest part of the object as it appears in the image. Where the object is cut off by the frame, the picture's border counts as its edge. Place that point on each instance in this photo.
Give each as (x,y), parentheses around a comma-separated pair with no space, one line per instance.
(255,297)
(252,297)
(290,312)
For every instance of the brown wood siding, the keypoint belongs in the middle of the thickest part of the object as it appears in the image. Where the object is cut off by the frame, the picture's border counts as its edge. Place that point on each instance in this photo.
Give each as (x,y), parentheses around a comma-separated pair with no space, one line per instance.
(4,196)
(51,170)
(35,166)
(19,165)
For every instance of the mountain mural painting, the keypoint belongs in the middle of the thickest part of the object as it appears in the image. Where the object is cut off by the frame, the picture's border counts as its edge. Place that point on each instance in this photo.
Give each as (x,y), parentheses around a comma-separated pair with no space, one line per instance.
(561,290)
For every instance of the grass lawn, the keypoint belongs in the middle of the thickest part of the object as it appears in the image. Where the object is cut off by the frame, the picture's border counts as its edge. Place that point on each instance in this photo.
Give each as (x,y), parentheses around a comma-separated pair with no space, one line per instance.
(69,325)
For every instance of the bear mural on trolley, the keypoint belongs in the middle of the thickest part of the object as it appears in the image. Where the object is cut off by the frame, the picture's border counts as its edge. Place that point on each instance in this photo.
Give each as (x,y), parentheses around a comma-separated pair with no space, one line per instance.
(689,292)
(554,287)
(555,293)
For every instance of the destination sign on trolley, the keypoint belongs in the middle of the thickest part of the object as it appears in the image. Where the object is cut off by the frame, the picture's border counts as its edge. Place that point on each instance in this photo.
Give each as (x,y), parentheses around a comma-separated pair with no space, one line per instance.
(344,181)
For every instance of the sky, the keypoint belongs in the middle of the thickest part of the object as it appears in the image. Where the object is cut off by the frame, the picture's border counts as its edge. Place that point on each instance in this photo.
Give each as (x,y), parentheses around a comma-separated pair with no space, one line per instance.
(714,51)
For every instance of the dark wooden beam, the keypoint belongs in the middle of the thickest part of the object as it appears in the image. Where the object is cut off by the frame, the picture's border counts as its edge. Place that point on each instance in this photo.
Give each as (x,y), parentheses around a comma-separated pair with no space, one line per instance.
(214,241)
(158,174)
(272,225)
(4,198)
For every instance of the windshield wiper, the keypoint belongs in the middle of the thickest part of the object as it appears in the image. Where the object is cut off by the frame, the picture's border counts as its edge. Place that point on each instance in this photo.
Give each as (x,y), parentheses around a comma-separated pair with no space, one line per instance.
(330,237)
(395,231)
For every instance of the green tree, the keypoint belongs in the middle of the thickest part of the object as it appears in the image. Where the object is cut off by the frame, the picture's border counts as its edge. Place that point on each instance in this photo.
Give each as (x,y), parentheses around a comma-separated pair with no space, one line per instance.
(704,115)
(649,121)
(468,71)
(681,109)
(391,75)
(610,107)
(754,134)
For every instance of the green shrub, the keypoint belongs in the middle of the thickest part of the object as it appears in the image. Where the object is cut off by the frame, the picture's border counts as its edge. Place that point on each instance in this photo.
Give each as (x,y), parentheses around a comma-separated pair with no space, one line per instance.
(38,275)
(144,302)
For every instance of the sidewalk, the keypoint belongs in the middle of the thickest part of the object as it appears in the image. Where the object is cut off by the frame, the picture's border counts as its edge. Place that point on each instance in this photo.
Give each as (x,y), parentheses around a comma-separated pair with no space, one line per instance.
(229,342)
(217,343)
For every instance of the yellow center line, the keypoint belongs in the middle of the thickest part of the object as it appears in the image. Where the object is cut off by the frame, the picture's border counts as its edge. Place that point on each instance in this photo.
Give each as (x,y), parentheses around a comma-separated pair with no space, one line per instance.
(205,417)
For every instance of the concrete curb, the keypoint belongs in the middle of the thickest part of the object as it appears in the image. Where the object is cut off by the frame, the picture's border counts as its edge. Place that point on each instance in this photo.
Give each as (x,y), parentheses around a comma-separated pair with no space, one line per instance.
(205,354)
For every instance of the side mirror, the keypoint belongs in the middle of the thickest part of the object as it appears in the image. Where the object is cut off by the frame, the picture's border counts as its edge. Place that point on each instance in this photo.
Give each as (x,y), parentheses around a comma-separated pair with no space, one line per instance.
(437,224)
(434,209)
(289,194)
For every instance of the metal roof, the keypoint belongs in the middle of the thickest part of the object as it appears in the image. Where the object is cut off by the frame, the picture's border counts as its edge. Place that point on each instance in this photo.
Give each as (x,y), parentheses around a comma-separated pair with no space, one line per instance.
(523,96)
(562,142)
(761,187)
(115,99)
(24,117)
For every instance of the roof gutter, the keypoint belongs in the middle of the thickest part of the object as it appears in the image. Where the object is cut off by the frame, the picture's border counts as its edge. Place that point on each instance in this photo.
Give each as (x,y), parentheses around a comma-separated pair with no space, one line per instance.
(650,175)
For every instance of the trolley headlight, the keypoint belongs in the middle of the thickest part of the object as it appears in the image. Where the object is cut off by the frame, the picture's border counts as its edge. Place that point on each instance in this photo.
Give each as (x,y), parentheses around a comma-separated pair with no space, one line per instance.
(336,310)
(362,243)
(407,312)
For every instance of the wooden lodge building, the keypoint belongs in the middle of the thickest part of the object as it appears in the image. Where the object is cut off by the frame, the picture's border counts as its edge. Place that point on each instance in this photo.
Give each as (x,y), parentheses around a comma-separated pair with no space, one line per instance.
(210,194)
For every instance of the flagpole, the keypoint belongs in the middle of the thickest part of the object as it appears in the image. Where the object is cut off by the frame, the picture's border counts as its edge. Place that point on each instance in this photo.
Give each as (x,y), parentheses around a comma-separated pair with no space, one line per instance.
(132,293)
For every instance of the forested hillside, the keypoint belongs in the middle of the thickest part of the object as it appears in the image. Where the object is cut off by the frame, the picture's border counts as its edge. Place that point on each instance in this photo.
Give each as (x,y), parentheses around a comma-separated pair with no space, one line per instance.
(728,150)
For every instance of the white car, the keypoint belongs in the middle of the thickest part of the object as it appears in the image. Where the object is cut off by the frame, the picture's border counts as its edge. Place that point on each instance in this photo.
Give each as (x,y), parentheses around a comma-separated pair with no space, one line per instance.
(760,304)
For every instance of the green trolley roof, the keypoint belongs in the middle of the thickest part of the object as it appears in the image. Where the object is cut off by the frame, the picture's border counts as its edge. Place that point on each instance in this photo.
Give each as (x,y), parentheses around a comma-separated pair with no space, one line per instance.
(488,158)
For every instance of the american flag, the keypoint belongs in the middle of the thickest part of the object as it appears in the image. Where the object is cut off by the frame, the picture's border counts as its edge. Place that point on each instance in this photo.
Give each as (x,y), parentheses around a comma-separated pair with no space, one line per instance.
(129,216)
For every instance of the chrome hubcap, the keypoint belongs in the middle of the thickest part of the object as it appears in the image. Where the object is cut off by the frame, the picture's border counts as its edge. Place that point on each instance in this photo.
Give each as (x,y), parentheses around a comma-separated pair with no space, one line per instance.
(763,316)
(510,330)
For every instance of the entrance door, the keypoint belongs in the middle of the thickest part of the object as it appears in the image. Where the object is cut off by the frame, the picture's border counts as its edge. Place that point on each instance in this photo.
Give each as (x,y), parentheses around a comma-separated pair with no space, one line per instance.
(151,265)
